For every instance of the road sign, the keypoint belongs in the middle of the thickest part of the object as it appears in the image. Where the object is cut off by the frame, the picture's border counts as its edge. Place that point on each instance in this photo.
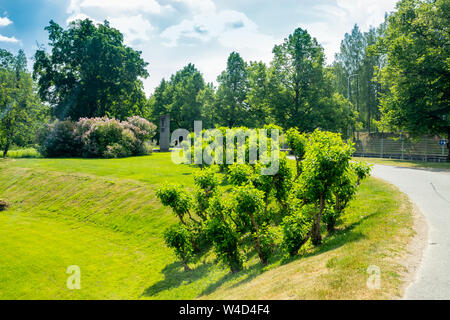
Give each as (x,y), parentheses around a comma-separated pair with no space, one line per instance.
(443,142)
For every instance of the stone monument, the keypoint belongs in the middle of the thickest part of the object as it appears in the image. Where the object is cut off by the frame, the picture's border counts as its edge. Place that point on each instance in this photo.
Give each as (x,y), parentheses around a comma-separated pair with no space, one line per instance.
(164,133)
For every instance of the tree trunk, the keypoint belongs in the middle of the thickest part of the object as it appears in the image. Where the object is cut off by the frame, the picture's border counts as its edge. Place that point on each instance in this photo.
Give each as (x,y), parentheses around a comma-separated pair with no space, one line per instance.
(257,242)
(186,267)
(316,235)
(5,150)
(297,160)
(181,219)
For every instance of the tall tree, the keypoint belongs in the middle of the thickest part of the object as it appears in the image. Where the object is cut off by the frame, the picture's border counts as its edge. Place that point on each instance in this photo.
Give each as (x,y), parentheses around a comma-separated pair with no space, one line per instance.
(178,97)
(207,99)
(351,58)
(232,108)
(21,111)
(301,94)
(258,95)
(354,68)
(90,72)
(417,47)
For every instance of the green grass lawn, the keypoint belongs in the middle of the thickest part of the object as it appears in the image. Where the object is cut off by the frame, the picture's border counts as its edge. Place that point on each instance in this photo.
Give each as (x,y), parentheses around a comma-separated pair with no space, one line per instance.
(407,164)
(103,216)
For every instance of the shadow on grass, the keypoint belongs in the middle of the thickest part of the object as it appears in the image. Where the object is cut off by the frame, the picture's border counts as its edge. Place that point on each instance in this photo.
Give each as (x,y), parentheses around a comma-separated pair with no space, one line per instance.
(175,276)
(339,238)
(444,169)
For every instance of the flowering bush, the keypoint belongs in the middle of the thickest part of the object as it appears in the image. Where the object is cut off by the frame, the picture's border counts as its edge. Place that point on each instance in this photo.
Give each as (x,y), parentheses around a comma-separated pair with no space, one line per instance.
(58,140)
(98,138)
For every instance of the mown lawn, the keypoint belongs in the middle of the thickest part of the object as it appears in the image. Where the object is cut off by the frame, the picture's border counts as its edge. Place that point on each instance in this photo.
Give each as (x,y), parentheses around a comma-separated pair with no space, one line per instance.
(103,216)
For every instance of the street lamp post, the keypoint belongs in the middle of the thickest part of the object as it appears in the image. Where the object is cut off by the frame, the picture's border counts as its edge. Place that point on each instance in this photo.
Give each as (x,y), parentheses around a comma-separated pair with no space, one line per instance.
(357,93)
(357,89)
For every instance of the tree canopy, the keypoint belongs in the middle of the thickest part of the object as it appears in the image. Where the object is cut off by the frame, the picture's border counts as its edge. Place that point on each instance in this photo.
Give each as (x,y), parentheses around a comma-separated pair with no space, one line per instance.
(301,92)
(90,72)
(21,111)
(418,70)
(179,97)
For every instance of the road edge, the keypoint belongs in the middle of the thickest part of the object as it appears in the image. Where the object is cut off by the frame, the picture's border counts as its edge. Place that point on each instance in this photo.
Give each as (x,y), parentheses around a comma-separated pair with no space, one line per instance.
(415,250)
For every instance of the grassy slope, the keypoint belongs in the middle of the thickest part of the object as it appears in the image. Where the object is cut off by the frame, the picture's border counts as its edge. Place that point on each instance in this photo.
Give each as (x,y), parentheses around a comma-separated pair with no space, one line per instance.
(407,164)
(103,216)
(375,230)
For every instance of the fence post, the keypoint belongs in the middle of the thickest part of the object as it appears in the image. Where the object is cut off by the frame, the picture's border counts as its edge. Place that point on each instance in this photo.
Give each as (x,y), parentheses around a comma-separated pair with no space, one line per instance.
(403,145)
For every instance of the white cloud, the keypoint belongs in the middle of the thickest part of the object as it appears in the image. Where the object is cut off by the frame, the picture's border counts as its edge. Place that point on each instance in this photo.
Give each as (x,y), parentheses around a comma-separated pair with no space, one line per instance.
(134,28)
(4,21)
(365,13)
(336,20)
(81,16)
(199,6)
(232,29)
(8,39)
(147,6)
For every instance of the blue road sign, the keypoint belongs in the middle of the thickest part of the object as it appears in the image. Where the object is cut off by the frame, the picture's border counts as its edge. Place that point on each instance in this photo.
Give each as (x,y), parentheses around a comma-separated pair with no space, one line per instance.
(443,142)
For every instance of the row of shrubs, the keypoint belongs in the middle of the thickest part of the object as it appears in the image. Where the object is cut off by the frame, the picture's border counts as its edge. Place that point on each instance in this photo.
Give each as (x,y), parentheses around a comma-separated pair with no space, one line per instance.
(262,212)
(97,138)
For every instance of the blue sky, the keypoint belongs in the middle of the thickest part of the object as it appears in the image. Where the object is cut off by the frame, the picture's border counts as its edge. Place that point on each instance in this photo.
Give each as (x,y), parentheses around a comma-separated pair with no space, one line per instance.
(173,33)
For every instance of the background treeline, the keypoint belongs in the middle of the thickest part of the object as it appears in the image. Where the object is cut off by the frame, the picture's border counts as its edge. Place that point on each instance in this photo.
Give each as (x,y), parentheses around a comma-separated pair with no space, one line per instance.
(393,77)
(296,89)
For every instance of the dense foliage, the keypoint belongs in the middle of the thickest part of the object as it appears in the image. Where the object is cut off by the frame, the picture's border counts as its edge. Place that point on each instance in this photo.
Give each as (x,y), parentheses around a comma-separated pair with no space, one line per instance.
(354,70)
(179,98)
(262,212)
(21,112)
(295,90)
(418,70)
(97,138)
(90,72)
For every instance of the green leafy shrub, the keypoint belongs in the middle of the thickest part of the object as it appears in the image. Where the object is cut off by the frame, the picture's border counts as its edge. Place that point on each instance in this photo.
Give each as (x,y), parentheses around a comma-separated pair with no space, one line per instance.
(267,241)
(266,209)
(296,229)
(327,158)
(176,198)
(249,205)
(226,242)
(178,238)
(282,181)
(206,182)
(344,191)
(240,174)
(58,140)
(331,217)
(362,170)
(297,142)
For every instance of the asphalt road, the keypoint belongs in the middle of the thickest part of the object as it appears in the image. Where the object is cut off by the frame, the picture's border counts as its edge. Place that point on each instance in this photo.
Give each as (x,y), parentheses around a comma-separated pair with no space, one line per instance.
(430,191)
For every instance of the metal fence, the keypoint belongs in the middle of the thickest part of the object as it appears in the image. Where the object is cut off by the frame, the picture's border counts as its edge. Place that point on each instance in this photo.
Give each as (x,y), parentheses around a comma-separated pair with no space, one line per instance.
(400,146)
